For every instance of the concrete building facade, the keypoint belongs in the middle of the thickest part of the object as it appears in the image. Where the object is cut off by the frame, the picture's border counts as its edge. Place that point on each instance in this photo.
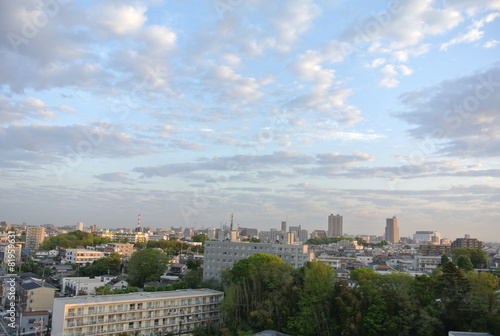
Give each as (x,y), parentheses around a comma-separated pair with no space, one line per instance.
(392,230)
(335,225)
(34,237)
(145,313)
(82,256)
(222,255)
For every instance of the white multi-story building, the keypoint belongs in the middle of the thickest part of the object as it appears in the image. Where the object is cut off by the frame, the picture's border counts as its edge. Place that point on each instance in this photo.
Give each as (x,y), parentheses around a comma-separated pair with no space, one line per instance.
(222,255)
(426,263)
(75,286)
(82,256)
(427,236)
(144,314)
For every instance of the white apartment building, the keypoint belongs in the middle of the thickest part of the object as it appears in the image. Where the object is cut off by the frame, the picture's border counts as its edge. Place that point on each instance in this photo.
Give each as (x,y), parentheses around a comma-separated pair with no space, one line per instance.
(222,255)
(75,286)
(82,256)
(426,263)
(142,314)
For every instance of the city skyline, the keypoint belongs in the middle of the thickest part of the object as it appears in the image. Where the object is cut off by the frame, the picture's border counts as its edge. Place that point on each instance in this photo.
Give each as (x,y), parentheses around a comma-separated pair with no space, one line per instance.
(381,234)
(187,111)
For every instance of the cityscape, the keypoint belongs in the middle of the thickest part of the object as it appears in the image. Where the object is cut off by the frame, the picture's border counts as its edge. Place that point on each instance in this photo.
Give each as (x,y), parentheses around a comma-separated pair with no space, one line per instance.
(59,290)
(249,168)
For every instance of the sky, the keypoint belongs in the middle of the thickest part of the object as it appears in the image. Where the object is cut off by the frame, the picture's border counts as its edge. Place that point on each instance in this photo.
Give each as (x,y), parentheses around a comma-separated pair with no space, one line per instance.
(188,111)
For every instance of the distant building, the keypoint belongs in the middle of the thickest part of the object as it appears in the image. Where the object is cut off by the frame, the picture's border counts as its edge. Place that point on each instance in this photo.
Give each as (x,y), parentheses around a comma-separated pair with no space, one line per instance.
(283,226)
(79,226)
(5,225)
(335,226)
(467,242)
(434,250)
(133,238)
(392,230)
(427,236)
(222,255)
(144,313)
(318,233)
(246,232)
(34,237)
(82,256)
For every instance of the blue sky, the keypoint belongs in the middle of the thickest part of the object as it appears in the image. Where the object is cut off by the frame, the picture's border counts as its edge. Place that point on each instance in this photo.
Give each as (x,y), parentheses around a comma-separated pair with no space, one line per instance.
(187,111)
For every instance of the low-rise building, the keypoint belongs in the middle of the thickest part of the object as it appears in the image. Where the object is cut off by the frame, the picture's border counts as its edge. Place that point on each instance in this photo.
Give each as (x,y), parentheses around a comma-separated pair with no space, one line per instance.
(145,313)
(35,296)
(34,323)
(82,256)
(74,286)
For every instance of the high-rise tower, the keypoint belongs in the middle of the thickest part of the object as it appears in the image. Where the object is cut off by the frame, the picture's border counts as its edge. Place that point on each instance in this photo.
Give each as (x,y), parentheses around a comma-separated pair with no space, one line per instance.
(392,230)
(334,225)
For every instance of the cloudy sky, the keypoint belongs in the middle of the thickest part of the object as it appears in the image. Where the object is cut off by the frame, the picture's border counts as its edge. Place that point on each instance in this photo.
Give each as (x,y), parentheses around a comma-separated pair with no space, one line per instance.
(185,111)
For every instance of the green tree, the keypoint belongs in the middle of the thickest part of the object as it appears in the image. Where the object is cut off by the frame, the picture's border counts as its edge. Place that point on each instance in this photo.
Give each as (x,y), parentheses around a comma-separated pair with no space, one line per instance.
(107,265)
(359,274)
(200,238)
(453,289)
(72,240)
(146,265)
(314,302)
(478,257)
(444,260)
(464,263)
(260,295)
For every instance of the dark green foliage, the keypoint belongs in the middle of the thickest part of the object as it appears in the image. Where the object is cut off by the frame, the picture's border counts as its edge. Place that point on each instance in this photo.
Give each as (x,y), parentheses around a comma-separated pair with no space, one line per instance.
(476,256)
(200,238)
(252,240)
(264,294)
(146,265)
(464,263)
(193,264)
(261,294)
(107,265)
(72,240)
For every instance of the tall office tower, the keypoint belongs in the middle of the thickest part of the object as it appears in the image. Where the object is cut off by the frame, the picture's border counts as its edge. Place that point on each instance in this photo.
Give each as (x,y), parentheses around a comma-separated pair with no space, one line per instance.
(34,236)
(283,226)
(392,230)
(334,225)
(79,226)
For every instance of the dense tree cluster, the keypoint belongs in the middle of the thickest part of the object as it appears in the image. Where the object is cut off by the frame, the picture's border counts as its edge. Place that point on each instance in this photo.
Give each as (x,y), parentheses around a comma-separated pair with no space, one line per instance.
(265,293)
(173,246)
(146,265)
(107,265)
(72,240)
(331,240)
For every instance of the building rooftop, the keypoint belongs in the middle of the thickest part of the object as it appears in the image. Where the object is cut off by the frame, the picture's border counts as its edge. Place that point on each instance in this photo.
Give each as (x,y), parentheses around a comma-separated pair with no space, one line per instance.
(34,285)
(139,296)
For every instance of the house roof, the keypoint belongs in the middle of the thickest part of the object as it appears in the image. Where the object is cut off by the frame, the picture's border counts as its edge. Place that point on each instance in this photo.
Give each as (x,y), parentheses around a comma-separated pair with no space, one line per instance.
(35,285)
(36,313)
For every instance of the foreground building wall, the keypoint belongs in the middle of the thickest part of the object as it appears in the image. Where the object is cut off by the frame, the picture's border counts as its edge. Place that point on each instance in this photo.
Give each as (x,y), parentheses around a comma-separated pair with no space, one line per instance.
(145,313)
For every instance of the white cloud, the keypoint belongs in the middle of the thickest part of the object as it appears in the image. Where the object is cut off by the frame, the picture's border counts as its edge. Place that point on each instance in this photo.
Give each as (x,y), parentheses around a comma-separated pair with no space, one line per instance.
(474,33)
(491,44)
(120,19)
